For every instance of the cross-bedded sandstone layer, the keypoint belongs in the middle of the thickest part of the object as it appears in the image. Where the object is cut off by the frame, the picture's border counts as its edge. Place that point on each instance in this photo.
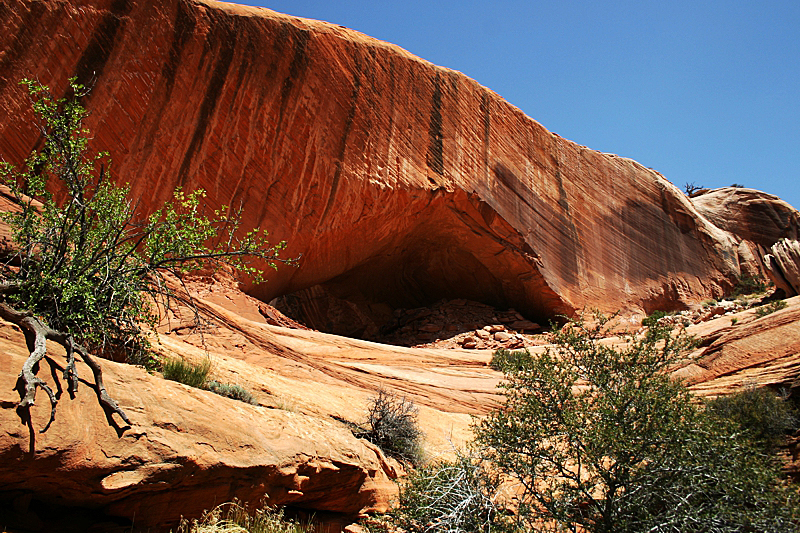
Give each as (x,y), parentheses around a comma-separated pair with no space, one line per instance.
(399,182)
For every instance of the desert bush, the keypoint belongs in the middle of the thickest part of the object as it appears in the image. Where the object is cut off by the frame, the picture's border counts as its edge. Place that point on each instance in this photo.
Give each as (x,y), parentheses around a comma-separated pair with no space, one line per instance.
(747,284)
(652,319)
(231,390)
(601,439)
(233,517)
(770,308)
(87,269)
(764,415)
(449,496)
(186,372)
(392,425)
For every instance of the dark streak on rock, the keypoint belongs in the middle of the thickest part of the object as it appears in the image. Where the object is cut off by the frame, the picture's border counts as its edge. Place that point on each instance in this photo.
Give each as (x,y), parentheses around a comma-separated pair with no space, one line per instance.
(184,28)
(96,54)
(348,126)
(213,91)
(567,254)
(435,147)
(299,62)
(23,39)
(487,125)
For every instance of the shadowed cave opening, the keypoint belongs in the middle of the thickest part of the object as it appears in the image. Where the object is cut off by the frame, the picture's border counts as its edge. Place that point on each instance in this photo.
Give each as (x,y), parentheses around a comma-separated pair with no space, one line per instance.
(434,290)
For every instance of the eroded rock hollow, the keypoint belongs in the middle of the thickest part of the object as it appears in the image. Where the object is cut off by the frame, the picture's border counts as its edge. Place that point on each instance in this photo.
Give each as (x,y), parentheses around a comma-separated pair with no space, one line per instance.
(399,182)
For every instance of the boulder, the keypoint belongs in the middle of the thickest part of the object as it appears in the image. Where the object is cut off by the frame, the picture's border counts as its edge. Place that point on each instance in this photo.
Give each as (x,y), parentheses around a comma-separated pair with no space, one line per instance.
(783,266)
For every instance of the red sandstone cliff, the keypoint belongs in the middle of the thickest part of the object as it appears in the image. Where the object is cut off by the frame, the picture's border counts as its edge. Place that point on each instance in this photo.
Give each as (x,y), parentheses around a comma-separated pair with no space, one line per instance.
(399,181)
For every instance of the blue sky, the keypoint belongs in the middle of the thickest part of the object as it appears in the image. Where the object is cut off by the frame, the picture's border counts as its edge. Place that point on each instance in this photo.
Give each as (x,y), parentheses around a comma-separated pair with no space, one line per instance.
(704,92)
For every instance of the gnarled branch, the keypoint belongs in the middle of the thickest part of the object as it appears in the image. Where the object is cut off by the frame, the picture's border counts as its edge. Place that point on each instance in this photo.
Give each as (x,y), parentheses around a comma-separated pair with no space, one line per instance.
(36,335)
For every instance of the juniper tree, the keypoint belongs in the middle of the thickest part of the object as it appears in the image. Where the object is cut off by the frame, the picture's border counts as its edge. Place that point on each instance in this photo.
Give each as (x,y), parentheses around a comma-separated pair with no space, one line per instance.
(91,271)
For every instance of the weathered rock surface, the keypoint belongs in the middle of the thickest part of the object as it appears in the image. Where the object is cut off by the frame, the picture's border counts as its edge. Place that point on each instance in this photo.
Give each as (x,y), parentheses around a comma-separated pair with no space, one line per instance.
(757,221)
(750,352)
(400,182)
(190,449)
(783,266)
(186,451)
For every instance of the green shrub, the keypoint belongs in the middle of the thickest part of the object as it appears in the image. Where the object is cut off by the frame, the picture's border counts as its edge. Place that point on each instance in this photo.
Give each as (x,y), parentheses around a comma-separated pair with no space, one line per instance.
(231,390)
(233,517)
(601,439)
(747,284)
(87,269)
(392,425)
(654,317)
(192,374)
(770,308)
(456,495)
(765,416)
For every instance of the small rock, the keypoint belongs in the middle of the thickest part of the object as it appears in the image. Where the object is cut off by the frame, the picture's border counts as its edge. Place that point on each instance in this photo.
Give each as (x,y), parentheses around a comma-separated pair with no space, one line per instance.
(470,345)
(482,334)
(502,336)
(496,327)
(467,339)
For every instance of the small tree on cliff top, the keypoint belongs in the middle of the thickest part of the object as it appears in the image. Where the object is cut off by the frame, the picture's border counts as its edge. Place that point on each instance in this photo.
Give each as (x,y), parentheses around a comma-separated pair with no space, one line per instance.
(90,272)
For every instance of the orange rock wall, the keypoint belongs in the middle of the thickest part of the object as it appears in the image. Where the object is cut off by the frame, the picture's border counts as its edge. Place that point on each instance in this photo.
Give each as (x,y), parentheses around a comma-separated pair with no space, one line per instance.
(399,181)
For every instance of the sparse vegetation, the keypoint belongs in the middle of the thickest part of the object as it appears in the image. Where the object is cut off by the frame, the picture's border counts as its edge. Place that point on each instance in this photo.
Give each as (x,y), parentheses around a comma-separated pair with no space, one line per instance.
(231,390)
(709,303)
(652,319)
(767,417)
(691,188)
(91,272)
(392,425)
(449,496)
(747,284)
(233,517)
(196,375)
(600,439)
(770,308)
(186,372)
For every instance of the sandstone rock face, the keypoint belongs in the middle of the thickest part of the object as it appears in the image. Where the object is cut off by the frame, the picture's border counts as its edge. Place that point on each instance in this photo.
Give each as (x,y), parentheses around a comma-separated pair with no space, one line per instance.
(756,220)
(400,182)
(783,266)
(188,450)
(754,352)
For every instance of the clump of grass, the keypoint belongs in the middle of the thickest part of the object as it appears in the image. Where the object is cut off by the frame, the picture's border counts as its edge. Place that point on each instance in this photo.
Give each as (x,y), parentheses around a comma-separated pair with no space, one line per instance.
(232,517)
(231,390)
(770,308)
(186,372)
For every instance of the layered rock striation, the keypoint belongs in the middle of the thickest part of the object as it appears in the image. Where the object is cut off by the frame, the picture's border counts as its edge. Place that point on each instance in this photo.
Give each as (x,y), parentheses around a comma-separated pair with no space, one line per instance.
(401,183)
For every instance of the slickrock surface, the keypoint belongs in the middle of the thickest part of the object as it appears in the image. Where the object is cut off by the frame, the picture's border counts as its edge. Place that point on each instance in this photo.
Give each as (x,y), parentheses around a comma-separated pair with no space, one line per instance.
(400,182)
(186,451)
(754,351)
(758,221)
(190,449)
